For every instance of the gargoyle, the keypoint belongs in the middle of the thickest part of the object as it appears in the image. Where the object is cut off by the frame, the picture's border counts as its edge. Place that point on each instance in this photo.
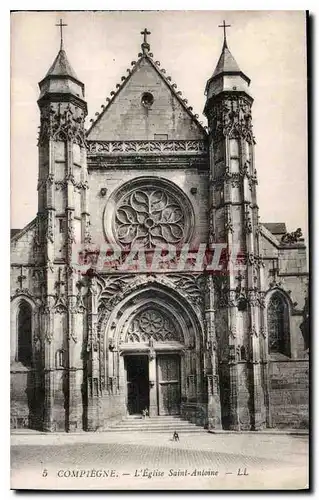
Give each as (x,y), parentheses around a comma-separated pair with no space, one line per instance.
(290,238)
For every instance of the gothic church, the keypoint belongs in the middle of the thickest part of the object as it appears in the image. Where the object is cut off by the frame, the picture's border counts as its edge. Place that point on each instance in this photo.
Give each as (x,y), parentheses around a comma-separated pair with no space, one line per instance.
(224,350)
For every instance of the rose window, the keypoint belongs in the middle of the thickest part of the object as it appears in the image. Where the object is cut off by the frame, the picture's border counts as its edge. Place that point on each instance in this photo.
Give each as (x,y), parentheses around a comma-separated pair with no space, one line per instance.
(150,217)
(151,322)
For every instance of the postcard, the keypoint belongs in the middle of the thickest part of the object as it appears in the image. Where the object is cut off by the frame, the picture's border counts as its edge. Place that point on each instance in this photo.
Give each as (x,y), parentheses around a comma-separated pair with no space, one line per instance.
(159,250)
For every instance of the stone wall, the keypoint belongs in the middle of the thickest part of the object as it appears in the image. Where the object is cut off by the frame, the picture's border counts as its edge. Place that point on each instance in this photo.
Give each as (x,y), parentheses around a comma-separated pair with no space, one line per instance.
(289,393)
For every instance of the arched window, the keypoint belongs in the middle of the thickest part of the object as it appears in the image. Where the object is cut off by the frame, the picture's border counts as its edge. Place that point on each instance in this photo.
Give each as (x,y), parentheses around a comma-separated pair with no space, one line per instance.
(278,325)
(24,351)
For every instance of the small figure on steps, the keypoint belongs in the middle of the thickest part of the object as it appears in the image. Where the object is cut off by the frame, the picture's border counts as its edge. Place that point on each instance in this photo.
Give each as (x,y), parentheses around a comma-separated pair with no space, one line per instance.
(145,413)
(175,436)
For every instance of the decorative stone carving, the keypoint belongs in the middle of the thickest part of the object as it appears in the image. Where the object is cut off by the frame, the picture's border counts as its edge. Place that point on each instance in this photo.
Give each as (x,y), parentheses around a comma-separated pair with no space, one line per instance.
(228,220)
(240,294)
(37,235)
(49,226)
(232,332)
(253,332)
(291,238)
(231,117)
(152,324)
(252,298)
(87,233)
(142,147)
(62,122)
(222,291)
(248,223)
(60,305)
(62,184)
(92,342)
(191,285)
(151,216)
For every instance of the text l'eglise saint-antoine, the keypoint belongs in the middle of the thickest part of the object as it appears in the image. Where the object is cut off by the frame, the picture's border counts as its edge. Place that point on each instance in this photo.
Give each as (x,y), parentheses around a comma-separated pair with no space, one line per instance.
(150,473)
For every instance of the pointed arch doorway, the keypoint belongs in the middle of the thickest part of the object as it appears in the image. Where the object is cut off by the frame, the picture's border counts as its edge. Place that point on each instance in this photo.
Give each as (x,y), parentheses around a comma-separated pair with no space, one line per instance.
(152,363)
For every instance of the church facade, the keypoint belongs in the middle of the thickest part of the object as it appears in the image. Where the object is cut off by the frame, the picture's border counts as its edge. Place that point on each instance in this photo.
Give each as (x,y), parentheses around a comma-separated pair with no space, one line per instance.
(124,296)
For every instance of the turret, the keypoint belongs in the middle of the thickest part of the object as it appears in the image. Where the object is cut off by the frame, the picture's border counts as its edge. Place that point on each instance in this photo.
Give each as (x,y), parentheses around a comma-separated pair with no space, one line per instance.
(234,221)
(62,222)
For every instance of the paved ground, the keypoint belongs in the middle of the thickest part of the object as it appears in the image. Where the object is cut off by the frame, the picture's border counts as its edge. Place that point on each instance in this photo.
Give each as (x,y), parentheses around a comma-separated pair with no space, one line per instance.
(153,461)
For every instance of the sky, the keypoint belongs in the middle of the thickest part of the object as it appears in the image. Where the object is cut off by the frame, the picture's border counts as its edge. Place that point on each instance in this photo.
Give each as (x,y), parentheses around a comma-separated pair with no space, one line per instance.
(269,46)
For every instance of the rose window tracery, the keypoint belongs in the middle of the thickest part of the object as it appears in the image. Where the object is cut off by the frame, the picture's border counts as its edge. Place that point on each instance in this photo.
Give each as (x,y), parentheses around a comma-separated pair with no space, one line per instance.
(152,325)
(149,212)
(150,217)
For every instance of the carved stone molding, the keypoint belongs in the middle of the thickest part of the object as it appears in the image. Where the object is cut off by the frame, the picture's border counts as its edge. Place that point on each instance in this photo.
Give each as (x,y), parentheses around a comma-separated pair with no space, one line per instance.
(248,222)
(22,291)
(144,147)
(62,184)
(87,232)
(228,220)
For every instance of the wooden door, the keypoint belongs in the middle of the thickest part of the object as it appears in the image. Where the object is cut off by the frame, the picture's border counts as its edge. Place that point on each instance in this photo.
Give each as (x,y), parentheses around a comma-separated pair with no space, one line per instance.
(168,380)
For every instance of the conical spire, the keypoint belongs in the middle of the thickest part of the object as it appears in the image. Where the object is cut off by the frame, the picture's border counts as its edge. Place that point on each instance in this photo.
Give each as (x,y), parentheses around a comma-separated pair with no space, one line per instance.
(61,77)
(226,63)
(61,66)
(227,74)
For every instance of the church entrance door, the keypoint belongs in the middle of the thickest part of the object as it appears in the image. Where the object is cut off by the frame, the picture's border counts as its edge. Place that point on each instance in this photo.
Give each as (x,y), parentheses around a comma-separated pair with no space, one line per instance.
(137,384)
(168,380)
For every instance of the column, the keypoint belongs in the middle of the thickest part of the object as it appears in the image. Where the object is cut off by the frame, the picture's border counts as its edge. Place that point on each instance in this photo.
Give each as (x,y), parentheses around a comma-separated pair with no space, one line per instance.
(153,410)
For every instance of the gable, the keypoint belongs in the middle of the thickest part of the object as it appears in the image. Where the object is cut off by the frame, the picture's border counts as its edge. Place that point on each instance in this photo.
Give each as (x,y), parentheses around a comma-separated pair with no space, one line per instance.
(22,251)
(126,118)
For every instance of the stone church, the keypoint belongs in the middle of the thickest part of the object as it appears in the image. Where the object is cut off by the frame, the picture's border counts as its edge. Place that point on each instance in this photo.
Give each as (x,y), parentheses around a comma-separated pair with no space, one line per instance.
(92,344)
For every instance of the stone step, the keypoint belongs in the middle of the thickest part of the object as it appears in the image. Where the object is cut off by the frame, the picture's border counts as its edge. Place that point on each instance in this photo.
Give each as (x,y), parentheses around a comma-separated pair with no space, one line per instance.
(155,424)
(185,430)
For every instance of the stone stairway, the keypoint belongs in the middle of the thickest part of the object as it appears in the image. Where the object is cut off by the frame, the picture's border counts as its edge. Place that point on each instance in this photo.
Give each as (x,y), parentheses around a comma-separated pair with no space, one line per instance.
(154,424)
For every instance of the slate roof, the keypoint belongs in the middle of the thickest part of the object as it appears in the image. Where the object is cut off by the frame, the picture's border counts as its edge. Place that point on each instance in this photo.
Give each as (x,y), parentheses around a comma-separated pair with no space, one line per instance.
(61,66)
(13,232)
(276,227)
(227,65)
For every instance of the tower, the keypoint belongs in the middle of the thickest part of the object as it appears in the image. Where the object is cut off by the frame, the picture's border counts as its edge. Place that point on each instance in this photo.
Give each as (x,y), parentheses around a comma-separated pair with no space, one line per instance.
(62,221)
(233,219)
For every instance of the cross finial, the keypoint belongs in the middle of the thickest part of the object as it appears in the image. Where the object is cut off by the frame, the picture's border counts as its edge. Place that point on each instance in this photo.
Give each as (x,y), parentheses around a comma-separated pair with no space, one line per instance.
(61,25)
(224,25)
(145,45)
(145,33)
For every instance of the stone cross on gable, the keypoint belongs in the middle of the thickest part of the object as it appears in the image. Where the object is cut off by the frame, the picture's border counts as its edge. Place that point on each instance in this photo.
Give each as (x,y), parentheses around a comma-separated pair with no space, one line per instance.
(145,33)
(145,45)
